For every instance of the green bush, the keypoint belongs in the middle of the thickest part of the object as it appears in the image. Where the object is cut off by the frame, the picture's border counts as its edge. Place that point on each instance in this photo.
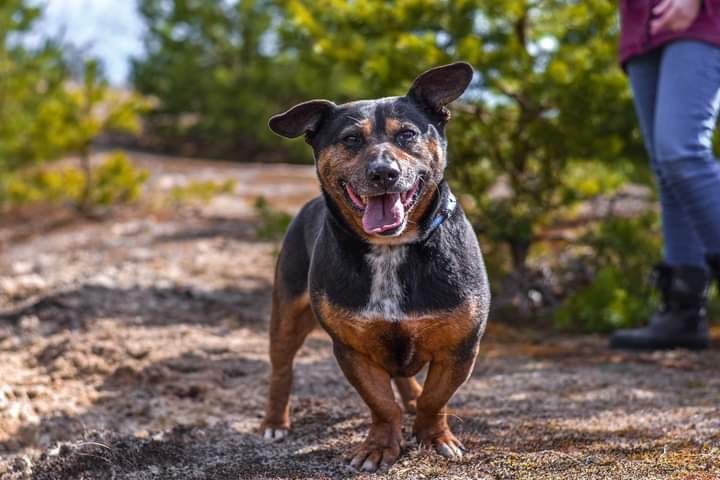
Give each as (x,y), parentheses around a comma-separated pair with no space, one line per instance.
(609,302)
(620,295)
(43,186)
(272,223)
(115,181)
(200,191)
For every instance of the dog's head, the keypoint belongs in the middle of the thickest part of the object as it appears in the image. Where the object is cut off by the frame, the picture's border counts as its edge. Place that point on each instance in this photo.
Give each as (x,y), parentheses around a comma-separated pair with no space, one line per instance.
(379,161)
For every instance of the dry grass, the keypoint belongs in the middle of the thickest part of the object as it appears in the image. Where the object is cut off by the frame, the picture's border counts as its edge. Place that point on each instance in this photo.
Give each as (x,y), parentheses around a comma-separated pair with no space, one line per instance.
(136,349)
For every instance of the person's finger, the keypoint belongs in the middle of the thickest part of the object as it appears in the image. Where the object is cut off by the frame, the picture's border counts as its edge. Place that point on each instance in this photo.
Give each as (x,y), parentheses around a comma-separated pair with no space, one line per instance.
(663,22)
(678,23)
(660,8)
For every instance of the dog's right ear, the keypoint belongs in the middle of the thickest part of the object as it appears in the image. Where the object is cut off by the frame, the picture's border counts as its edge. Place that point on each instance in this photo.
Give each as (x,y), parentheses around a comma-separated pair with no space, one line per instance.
(301,119)
(440,86)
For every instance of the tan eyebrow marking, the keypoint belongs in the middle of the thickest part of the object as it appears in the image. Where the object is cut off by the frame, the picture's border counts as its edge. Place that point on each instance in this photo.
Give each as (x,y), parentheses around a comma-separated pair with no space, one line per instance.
(392,126)
(365,126)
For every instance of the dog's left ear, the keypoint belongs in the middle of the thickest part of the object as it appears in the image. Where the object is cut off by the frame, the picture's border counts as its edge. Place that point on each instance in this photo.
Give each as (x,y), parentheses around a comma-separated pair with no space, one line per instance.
(440,86)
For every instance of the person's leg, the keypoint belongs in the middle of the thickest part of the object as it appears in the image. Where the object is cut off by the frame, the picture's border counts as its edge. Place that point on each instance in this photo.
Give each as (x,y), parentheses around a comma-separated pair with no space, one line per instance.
(688,99)
(682,245)
(682,278)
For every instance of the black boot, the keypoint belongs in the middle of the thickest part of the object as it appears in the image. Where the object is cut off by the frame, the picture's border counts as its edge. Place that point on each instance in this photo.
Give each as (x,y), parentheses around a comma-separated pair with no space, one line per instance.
(682,320)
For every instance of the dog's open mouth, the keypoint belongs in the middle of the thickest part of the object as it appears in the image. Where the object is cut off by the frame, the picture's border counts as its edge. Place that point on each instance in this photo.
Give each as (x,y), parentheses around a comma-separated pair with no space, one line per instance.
(384,214)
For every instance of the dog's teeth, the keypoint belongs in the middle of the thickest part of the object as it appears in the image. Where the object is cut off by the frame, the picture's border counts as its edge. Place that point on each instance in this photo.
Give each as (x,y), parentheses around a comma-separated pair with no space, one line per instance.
(364,199)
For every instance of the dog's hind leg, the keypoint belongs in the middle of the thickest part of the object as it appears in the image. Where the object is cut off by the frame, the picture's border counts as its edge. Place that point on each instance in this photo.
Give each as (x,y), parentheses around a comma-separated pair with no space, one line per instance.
(409,390)
(290,324)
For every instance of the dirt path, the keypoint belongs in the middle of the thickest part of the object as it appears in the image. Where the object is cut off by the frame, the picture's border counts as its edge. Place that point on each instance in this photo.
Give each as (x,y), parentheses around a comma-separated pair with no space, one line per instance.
(135,348)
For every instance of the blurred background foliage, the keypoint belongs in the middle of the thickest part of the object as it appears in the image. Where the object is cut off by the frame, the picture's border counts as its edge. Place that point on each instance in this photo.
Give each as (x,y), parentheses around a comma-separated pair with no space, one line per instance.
(544,148)
(46,112)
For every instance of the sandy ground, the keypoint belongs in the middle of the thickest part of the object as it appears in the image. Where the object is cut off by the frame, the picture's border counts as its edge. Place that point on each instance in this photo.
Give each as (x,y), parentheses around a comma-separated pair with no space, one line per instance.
(135,348)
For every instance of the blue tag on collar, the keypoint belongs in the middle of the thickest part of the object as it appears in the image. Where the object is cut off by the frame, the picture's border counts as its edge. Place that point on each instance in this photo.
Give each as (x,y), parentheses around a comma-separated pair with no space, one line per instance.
(444,212)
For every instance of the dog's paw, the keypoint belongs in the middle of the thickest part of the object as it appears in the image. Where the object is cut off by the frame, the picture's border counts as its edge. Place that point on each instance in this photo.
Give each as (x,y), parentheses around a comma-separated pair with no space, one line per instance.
(275,434)
(380,449)
(446,444)
(373,458)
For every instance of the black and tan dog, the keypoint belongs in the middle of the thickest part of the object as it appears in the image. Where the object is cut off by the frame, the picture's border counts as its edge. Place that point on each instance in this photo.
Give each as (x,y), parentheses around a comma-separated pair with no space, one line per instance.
(385,261)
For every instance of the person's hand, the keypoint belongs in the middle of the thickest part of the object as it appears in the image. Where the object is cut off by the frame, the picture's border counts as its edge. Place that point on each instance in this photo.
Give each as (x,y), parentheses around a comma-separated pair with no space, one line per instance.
(674,15)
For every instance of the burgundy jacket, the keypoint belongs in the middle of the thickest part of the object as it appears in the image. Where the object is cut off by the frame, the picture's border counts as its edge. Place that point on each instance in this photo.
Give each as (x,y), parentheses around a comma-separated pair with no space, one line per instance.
(635,38)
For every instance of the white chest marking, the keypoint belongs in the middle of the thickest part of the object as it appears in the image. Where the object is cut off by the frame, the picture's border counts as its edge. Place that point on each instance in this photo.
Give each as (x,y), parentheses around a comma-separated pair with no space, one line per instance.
(385,290)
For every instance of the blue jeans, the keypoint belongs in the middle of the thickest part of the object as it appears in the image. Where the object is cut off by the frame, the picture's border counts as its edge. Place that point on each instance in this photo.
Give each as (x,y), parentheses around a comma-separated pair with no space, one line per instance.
(677,97)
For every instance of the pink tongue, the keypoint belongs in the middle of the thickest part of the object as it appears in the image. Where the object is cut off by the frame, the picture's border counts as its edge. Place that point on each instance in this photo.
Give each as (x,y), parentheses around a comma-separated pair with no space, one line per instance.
(383,212)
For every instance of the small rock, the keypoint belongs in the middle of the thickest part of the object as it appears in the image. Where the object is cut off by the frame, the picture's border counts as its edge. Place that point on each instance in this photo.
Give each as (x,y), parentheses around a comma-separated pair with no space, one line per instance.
(215,349)
(137,352)
(8,287)
(25,284)
(22,267)
(23,412)
(29,323)
(103,280)
(21,464)
(187,363)
(6,396)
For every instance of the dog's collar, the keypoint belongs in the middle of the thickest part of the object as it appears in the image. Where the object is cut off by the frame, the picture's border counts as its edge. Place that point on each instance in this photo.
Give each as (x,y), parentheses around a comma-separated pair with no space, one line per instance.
(445,211)
(443,208)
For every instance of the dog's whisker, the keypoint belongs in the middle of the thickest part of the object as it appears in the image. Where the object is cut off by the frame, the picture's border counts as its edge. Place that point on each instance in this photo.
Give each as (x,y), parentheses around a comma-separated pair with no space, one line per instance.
(355,120)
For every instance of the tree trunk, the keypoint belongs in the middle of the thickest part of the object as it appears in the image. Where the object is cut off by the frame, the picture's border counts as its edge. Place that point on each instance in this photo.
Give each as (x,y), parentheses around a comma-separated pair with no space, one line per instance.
(85,204)
(519,251)
(516,286)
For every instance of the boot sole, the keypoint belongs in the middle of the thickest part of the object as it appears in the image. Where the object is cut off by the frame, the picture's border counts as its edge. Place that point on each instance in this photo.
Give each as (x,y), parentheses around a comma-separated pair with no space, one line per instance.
(657,344)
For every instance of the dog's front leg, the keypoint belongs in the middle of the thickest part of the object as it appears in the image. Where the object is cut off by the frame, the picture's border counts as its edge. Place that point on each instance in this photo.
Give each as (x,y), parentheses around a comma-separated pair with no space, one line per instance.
(381,448)
(445,376)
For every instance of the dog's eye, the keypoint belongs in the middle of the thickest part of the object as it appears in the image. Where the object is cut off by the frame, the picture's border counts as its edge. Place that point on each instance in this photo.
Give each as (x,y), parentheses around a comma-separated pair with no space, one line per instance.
(406,136)
(352,140)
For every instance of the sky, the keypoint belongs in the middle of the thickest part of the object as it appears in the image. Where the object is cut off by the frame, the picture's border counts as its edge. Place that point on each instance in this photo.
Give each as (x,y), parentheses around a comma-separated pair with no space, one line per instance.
(110,30)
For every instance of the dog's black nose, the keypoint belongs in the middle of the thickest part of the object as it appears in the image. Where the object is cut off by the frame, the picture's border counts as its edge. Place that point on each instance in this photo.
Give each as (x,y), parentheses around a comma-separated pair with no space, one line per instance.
(383,172)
